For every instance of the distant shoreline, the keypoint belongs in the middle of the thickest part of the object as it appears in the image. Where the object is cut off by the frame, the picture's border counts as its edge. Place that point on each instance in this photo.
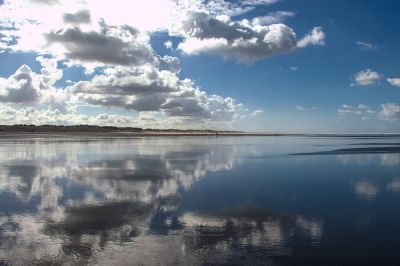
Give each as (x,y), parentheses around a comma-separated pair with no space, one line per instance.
(98,131)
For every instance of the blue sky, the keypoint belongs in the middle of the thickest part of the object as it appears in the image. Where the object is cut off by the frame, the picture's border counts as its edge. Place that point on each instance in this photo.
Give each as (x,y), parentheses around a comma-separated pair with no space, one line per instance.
(258,65)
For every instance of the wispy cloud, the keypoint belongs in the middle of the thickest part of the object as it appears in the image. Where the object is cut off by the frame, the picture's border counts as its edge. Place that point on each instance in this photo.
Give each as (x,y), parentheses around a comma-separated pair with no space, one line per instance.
(274,17)
(366,45)
(360,110)
(301,108)
(257,112)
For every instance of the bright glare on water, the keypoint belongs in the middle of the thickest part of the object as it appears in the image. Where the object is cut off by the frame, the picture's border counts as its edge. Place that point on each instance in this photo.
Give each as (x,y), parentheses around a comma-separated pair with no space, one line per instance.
(199,200)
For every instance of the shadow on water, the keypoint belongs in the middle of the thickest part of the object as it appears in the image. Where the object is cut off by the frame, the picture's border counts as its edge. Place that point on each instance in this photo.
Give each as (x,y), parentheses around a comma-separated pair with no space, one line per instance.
(362,150)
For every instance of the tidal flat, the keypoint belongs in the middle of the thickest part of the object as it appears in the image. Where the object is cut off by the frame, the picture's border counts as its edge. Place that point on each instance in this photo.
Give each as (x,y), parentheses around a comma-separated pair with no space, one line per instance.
(195,200)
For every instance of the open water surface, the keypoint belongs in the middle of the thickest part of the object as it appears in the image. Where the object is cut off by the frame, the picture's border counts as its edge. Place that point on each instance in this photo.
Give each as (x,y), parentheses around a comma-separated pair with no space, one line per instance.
(199,200)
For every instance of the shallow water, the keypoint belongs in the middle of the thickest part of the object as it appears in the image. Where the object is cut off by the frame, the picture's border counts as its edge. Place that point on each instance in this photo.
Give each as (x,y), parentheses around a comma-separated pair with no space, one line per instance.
(199,200)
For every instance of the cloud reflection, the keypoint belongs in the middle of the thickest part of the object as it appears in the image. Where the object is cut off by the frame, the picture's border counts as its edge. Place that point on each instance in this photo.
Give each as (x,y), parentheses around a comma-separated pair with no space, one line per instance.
(79,201)
(366,189)
(79,197)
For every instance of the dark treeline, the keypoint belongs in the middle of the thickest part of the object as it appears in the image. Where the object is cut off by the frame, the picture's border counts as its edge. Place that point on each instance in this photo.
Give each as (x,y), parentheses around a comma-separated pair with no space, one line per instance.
(92,128)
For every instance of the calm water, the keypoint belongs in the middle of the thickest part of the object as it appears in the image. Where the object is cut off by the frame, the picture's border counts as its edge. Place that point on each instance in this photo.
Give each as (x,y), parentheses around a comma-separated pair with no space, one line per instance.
(200,200)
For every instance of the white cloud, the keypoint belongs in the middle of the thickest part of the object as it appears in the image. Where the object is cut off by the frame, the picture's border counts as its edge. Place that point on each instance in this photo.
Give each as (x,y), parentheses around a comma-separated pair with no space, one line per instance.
(315,37)
(148,88)
(30,115)
(46,2)
(257,112)
(3,47)
(7,114)
(86,42)
(394,81)
(390,111)
(363,106)
(168,44)
(170,63)
(221,7)
(242,40)
(50,73)
(21,87)
(29,88)
(361,109)
(130,75)
(273,17)
(294,68)
(141,88)
(366,78)
(110,45)
(301,108)
(366,46)
(149,15)
(80,17)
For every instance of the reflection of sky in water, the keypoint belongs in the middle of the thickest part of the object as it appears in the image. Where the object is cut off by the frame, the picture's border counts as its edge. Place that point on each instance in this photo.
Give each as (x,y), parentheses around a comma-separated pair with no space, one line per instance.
(197,200)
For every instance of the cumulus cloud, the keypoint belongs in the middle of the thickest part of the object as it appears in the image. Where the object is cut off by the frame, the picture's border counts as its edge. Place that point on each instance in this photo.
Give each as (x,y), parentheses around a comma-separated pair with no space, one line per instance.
(192,102)
(170,63)
(28,87)
(7,114)
(366,78)
(134,77)
(315,37)
(142,88)
(81,17)
(394,81)
(390,111)
(129,73)
(29,115)
(205,26)
(50,73)
(147,88)
(107,46)
(114,45)
(21,87)
(243,40)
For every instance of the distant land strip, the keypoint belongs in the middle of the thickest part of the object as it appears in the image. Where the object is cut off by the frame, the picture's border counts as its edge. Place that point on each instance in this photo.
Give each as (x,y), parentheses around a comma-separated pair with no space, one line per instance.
(137,131)
(363,150)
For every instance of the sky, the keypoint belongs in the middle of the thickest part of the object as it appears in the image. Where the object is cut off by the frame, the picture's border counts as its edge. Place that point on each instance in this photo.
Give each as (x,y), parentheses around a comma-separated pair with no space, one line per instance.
(295,66)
